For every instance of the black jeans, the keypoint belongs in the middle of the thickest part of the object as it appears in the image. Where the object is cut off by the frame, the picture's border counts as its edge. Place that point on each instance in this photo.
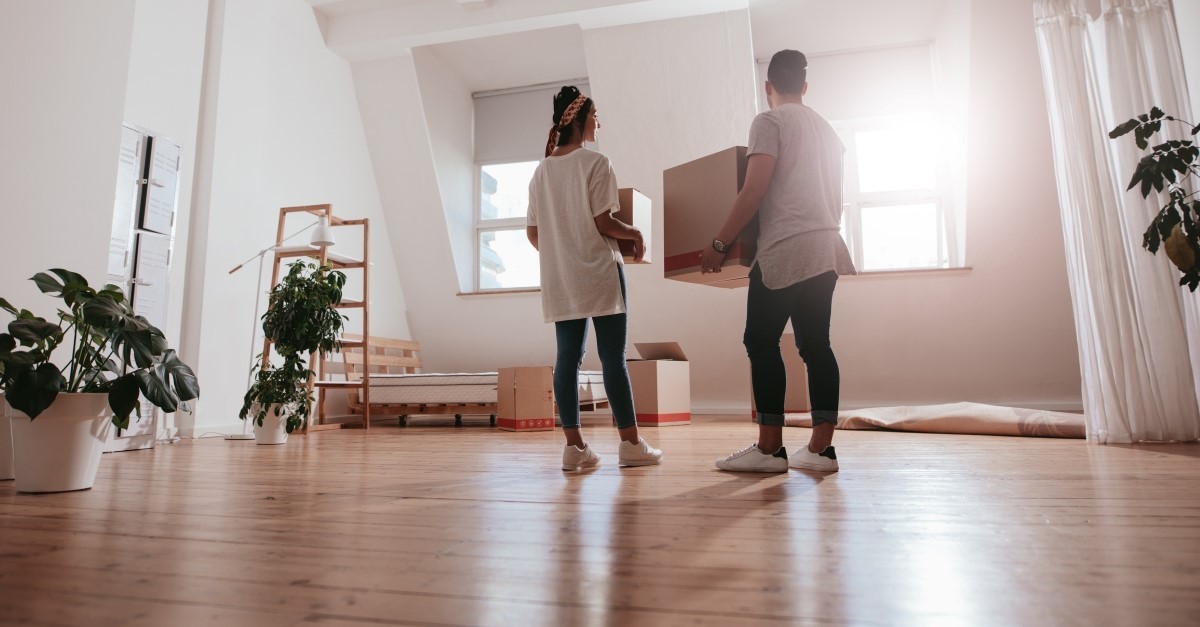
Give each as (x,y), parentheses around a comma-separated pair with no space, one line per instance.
(611,333)
(808,305)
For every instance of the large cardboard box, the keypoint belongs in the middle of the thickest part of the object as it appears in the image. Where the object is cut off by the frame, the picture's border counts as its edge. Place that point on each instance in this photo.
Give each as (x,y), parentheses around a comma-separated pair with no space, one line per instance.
(636,211)
(662,389)
(525,399)
(795,399)
(697,198)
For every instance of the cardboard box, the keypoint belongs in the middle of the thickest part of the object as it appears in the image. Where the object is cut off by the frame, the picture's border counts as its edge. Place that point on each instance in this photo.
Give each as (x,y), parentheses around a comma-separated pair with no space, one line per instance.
(525,399)
(662,389)
(636,211)
(795,399)
(697,198)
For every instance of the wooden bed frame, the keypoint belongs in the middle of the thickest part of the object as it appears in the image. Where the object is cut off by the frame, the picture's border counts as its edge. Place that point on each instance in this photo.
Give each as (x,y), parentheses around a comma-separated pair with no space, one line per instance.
(392,356)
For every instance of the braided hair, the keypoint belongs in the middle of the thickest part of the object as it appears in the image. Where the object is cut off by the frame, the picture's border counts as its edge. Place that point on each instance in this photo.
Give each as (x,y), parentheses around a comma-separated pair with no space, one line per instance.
(571,109)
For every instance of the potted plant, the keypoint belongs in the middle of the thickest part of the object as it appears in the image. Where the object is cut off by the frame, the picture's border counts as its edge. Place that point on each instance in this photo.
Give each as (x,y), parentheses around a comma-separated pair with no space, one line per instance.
(1176,227)
(302,318)
(62,415)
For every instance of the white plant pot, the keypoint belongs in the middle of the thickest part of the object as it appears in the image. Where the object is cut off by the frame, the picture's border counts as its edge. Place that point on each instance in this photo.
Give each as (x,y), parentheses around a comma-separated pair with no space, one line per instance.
(61,449)
(6,447)
(273,429)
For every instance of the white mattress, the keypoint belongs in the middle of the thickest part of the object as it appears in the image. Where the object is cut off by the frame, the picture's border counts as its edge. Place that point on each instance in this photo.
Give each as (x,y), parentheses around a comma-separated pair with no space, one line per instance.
(447,388)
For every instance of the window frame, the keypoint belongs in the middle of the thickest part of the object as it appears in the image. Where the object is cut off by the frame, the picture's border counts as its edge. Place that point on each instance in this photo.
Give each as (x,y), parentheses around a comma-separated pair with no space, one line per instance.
(854,201)
(480,226)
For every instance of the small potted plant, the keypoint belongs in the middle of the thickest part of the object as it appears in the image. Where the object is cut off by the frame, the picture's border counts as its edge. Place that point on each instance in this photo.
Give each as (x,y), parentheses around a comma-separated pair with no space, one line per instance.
(302,318)
(62,415)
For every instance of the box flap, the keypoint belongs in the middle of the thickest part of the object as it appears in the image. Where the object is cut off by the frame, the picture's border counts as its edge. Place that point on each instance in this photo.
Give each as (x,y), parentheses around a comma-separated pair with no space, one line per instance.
(660,350)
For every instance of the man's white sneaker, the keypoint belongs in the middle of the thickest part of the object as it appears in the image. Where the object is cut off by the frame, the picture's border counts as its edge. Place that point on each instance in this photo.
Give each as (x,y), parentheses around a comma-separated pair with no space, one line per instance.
(753,459)
(575,458)
(825,461)
(640,454)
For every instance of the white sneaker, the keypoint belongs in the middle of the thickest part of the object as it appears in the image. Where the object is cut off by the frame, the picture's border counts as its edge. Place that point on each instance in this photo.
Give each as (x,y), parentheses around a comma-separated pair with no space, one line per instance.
(825,461)
(575,458)
(640,454)
(753,459)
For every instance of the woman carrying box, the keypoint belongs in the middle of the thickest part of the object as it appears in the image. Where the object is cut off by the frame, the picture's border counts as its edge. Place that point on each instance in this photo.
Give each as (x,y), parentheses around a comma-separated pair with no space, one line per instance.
(572,198)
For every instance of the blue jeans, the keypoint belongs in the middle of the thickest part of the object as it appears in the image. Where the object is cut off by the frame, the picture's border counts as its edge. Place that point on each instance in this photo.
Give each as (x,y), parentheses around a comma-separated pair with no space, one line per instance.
(808,304)
(611,333)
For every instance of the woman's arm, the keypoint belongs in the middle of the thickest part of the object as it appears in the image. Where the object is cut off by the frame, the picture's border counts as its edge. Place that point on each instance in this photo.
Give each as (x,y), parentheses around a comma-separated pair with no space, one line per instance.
(759,169)
(614,228)
(531,233)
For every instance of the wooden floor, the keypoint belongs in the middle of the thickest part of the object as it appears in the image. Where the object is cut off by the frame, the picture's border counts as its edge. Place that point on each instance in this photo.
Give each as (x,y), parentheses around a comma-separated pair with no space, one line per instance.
(436,525)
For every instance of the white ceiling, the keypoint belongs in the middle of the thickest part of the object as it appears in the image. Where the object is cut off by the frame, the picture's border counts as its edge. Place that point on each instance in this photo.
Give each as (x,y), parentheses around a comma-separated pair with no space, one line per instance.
(508,43)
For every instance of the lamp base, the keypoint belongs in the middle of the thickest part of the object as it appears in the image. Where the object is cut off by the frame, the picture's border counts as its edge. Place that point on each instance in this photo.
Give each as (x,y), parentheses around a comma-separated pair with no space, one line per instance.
(240,436)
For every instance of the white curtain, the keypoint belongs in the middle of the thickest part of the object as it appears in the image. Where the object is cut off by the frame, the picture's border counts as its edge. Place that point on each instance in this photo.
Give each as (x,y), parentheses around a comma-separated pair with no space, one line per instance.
(1138,330)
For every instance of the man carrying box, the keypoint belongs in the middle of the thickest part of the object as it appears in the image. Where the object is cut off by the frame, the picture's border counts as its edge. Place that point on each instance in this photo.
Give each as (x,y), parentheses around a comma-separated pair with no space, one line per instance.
(794,184)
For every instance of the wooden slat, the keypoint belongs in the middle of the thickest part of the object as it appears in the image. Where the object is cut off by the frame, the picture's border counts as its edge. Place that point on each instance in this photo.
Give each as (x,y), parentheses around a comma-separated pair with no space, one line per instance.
(386,342)
(397,361)
(339,384)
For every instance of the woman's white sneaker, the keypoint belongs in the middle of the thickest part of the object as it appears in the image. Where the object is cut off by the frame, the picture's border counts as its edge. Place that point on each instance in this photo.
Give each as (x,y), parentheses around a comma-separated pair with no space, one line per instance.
(575,458)
(825,461)
(753,459)
(640,454)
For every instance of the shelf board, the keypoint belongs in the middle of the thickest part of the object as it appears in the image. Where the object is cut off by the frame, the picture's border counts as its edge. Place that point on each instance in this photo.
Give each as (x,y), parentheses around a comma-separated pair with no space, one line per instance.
(308,250)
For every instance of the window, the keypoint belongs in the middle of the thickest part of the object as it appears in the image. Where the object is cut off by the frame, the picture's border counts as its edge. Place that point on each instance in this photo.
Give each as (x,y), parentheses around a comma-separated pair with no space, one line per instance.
(506,258)
(510,136)
(895,210)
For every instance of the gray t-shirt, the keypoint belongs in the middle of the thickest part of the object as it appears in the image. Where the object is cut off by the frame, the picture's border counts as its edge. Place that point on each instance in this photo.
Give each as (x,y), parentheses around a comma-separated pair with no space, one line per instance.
(579,265)
(800,217)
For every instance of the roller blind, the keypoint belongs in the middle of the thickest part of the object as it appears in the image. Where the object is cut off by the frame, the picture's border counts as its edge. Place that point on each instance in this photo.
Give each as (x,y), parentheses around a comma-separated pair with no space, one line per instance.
(513,126)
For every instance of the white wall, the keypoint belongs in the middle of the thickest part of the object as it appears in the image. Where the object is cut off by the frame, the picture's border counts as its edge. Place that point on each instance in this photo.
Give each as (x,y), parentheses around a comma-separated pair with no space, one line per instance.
(450,119)
(281,127)
(63,66)
(166,63)
(675,90)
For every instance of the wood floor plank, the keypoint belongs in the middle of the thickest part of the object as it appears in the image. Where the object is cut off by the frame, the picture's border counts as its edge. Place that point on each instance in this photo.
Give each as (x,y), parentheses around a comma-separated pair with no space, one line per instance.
(472,526)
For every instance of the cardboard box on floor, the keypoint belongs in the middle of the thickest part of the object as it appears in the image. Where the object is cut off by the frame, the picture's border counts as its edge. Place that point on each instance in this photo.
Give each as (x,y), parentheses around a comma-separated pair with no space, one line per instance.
(636,211)
(662,388)
(697,198)
(525,399)
(795,399)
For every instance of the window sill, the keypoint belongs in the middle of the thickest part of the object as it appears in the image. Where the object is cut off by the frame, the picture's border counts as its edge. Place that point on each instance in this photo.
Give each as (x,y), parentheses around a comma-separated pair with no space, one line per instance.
(918,272)
(503,292)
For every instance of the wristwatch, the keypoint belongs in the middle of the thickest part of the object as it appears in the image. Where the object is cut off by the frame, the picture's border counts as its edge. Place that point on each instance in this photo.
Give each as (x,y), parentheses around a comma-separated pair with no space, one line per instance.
(720,246)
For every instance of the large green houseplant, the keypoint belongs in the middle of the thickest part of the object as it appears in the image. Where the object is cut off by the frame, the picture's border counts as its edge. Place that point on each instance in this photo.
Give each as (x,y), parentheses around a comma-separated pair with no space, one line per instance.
(112,351)
(301,318)
(1173,166)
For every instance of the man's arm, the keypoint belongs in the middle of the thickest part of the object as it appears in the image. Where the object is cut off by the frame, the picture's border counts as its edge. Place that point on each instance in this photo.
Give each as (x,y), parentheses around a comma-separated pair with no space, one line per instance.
(759,169)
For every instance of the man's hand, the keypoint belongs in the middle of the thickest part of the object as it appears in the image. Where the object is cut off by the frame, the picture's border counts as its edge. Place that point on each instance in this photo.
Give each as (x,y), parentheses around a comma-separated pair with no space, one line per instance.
(710,260)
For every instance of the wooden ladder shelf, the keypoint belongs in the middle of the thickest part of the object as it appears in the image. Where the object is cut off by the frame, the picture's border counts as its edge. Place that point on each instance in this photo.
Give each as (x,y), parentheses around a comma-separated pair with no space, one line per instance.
(360,341)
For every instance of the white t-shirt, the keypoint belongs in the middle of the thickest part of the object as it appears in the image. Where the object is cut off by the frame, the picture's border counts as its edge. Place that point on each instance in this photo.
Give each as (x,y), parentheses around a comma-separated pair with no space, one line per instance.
(800,217)
(579,265)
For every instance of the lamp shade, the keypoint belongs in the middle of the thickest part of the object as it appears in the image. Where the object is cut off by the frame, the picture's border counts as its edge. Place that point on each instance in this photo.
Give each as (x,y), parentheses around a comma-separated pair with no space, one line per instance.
(322,235)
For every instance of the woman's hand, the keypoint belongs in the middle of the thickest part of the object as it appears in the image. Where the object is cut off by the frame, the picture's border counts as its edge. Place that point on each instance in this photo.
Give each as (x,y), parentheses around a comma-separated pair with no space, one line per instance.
(639,247)
(710,260)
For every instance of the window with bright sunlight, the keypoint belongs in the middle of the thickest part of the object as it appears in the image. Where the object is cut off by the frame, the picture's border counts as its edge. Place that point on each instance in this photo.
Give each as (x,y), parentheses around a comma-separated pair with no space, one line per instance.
(506,260)
(895,214)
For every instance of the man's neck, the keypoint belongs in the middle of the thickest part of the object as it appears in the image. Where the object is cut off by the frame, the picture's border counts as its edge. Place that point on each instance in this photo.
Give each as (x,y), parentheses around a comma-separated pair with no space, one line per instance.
(789,99)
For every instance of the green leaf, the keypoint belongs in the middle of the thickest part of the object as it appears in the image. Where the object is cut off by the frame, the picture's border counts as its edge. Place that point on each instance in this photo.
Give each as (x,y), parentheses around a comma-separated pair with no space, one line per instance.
(183,380)
(1151,239)
(153,384)
(33,390)
(18,359)
(4,304)
(35,330)
(70,279)
(123,398)
(1196,129)
(1156,113)
(1141,142)
(7,343)
(47,284)
(1123,128)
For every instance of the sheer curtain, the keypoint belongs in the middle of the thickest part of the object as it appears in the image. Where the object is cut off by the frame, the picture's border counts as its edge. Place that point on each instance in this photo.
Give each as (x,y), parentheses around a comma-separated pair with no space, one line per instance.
(1138,330)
